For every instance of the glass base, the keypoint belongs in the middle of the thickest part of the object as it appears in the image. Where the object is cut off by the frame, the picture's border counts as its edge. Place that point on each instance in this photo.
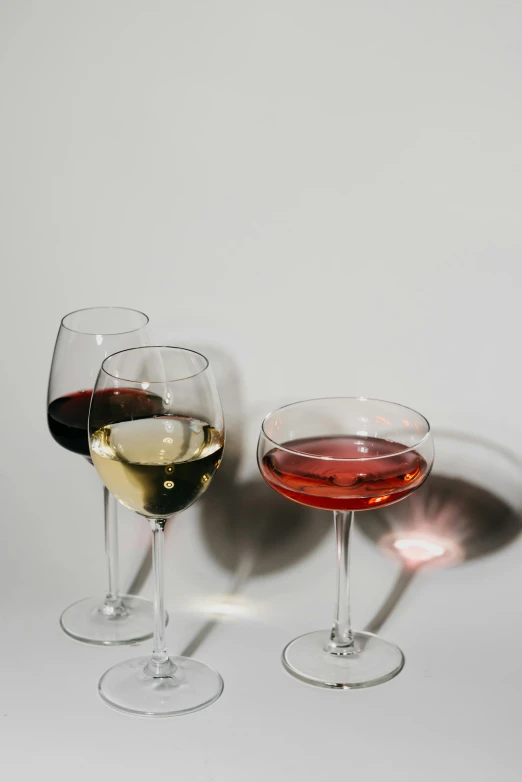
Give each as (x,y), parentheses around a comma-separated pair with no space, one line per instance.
(188,686)
(86,621)
(374,661)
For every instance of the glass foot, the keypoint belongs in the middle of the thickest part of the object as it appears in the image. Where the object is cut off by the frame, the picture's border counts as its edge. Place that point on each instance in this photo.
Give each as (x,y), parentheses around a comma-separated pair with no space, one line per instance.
(374,661)
(86,621)
(188,686)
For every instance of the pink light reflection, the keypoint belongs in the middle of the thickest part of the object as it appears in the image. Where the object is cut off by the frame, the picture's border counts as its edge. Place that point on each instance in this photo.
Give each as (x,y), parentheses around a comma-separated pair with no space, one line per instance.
(417,548)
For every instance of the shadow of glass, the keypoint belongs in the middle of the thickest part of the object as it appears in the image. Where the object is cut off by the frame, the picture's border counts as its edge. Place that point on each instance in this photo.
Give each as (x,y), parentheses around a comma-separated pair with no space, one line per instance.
(228,381)
(253,531)
(249,522)
(249,529)
(469,507)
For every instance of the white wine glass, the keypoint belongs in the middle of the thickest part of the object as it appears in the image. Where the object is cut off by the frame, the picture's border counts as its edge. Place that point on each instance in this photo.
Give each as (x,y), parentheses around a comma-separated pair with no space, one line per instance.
(157,459)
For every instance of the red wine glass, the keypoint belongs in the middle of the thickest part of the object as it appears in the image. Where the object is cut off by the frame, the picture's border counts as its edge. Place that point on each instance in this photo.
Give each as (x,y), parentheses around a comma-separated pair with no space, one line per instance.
(85,338)
(344,454)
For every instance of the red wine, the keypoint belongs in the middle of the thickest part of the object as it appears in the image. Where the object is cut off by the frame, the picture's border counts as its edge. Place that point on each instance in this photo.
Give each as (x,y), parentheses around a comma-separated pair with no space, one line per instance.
(334,484)
(68,416)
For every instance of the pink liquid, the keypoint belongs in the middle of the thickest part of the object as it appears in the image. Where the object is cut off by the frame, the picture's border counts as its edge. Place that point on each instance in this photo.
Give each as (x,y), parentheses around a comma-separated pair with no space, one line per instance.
(334,484)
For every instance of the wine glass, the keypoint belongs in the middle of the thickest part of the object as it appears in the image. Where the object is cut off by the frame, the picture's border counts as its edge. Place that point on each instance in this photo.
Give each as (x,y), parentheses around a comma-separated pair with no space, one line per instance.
(156,439)
(344,454)
(85,338)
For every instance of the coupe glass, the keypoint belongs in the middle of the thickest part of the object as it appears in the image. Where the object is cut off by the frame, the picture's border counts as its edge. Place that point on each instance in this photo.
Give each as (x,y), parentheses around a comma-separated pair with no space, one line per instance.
(344,454)
(156,439)
(85,339)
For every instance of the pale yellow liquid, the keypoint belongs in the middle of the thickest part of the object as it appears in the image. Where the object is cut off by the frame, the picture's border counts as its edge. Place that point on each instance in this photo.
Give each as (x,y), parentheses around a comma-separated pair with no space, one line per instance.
(157,466)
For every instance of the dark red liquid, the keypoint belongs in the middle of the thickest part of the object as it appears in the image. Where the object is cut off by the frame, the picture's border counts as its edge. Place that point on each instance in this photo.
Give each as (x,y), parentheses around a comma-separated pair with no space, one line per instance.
(68,416)
(334,484)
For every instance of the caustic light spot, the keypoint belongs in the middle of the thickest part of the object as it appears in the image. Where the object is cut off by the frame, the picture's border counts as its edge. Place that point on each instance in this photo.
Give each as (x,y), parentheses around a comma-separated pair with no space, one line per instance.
(417,550)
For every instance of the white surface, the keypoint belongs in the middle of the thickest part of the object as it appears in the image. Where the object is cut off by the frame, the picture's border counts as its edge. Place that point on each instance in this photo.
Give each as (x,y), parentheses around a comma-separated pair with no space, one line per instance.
(331,191)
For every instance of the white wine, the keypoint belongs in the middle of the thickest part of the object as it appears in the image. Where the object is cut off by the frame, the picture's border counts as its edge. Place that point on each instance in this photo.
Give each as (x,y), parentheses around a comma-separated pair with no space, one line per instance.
(157,466)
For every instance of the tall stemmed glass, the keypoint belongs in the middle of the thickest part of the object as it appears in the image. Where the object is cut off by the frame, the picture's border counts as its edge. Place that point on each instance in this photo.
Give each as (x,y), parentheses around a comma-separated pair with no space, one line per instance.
(85,338)
(344,454)
(157,463)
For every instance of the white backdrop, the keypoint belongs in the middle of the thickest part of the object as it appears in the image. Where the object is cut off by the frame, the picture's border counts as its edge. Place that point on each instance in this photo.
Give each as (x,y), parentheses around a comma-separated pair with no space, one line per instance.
(331,192)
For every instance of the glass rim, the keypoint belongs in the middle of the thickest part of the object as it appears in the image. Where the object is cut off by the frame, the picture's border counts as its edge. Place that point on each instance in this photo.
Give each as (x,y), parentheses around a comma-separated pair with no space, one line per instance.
(156,347)
(108,334)
(424,438)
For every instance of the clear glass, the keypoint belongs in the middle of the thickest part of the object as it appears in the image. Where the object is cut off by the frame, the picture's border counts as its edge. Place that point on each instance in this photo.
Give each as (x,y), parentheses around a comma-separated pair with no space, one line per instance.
(344,454)
(85,338)
(156,437)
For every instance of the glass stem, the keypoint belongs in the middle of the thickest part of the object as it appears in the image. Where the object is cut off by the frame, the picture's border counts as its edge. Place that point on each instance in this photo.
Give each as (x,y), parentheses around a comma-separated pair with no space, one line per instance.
(113,607)
(159,665)
(341,638)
